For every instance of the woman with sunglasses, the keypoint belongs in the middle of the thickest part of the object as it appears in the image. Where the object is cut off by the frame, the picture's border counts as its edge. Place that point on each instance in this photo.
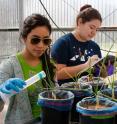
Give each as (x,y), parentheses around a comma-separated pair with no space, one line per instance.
(35,34)
(75,51)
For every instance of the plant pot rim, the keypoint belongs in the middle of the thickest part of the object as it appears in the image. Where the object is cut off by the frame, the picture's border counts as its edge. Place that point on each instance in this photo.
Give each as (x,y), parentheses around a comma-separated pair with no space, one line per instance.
(67,87)
(97,112)
(93,82)
(108,95)
(51,99)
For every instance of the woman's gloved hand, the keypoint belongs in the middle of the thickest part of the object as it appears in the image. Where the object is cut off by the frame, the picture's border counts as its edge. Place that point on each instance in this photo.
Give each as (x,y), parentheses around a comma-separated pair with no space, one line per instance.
(12,84)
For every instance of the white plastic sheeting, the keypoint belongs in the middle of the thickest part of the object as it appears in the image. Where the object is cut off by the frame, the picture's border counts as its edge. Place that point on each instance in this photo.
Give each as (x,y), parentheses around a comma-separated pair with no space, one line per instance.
(63,13)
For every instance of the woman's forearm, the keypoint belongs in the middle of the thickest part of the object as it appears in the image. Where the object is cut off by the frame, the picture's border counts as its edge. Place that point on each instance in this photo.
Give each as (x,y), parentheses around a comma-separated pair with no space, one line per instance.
(70,72)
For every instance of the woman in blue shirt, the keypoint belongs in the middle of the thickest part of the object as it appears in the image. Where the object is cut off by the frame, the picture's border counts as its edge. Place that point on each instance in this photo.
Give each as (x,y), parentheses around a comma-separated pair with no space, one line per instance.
(76,51)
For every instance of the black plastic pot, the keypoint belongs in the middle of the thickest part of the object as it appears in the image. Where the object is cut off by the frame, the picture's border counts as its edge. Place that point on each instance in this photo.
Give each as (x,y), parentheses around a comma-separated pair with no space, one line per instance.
(97,116)
(55,111)
(52,116)
(108,93)
(97,83)
(97,120)
(80,92)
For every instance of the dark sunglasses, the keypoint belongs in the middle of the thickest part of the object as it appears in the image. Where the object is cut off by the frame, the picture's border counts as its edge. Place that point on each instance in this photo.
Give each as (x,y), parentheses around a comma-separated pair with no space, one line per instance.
(36,40)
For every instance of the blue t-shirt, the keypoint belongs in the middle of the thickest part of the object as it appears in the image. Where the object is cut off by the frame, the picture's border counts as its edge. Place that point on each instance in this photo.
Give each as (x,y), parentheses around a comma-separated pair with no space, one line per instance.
(69,51)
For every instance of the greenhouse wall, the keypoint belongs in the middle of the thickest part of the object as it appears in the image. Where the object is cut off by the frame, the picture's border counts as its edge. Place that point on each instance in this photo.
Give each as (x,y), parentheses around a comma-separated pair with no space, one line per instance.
(62,12)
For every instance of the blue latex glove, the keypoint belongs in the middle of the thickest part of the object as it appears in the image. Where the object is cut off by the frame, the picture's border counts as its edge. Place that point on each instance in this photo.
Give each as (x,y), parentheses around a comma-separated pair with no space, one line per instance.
(12,84)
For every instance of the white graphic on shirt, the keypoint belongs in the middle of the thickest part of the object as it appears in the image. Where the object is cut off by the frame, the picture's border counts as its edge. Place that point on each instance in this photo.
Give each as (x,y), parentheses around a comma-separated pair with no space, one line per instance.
(75,58)
(82,55)
(85,52)
(82,58)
